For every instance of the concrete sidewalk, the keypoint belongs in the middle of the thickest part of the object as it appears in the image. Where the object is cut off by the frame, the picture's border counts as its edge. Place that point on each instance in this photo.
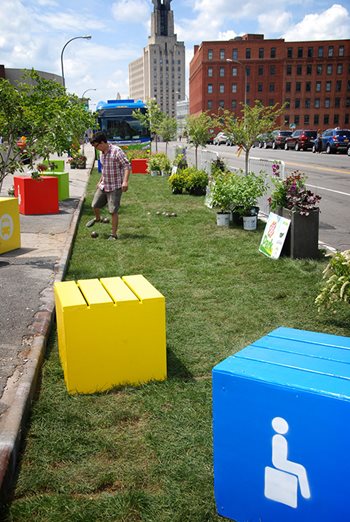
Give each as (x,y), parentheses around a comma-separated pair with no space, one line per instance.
(27,276)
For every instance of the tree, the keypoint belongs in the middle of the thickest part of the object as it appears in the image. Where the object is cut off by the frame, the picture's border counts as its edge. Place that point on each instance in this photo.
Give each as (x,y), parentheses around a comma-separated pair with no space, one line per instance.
(152,118)
(44,113)
(198,130)
(167,130)
(254,121)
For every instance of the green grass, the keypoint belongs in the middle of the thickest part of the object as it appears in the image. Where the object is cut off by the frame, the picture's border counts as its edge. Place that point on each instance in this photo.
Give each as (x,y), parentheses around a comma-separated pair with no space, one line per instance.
(145,453)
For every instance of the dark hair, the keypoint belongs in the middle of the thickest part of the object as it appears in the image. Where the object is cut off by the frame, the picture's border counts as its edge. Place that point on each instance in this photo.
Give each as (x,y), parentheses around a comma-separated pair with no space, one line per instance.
(98,137)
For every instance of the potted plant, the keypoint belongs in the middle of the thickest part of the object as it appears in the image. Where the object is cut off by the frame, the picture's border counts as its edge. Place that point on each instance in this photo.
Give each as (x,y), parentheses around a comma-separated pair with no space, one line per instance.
(196,181)
(155,164)
(221,196)
(245,193)
(138,159)
(177,181)
(290,198)
(165,166)
(336,288)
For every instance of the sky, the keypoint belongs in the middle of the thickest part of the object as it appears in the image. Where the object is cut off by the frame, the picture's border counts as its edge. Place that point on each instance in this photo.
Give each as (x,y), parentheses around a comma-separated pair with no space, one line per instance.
(34,32)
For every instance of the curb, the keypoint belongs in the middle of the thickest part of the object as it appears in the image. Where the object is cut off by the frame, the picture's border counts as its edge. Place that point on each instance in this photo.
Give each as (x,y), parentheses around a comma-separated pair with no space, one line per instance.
(22,385)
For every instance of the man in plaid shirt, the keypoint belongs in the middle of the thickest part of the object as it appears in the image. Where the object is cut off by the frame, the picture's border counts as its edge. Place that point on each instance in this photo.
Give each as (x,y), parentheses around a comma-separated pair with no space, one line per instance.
(113,182)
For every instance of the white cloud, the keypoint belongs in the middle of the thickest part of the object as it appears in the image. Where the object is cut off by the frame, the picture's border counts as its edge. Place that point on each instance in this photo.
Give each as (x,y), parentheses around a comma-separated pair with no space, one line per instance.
(131,11)
(334,23)
(274,22)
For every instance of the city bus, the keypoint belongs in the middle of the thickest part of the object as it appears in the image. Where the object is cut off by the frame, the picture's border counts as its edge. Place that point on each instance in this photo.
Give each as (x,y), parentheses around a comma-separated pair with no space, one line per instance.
(116,119)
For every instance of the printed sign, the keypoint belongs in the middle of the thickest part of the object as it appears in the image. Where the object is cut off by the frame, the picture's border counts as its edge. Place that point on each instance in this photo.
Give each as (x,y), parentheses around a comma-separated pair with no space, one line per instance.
(274,236)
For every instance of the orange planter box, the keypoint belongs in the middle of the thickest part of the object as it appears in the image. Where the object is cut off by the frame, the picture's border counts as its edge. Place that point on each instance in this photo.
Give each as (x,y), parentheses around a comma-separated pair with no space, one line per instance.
(36,196)
(139,166)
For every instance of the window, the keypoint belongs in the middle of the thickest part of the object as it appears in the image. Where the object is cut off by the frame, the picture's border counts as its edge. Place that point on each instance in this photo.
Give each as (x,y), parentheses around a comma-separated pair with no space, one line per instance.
(222,72)
(310,52)
(340,68)
(296,120)
(317,103)
(210,88)
(271,87)
(210,54)
(290,52)
(260,87)
(247,71)
(326,119)
(337,103)
(336,119)
(329,69)
(272,70)
(318,86)
(222,104)
(306,119)
(298,87)
(234,87)
(271,102)
(210,104)
(261,52)
(307,103)
(222,54)
(346,119)
(341,50)
(320,52)
(273,52)
(338,86)
(300,52)
(316,119)
(299,69)
(331,50)
(234,54)
(308,68)
(286,120)
(319,69)
(289,70)
(347,102)
(210,72)
(328,86)
(248,53)
(288,87)
(234,104)
(260,70)
(327,103)
(234,71)
(308,86)
(287,101)
(297,103)
(221,88)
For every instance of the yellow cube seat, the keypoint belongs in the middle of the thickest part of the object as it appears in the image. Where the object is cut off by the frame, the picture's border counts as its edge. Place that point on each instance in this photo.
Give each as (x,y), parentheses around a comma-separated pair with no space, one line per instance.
(111,332)
(10,233)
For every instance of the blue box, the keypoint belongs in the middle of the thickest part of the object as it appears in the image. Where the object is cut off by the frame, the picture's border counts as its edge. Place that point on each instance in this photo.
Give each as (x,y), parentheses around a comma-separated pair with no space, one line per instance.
(281,423)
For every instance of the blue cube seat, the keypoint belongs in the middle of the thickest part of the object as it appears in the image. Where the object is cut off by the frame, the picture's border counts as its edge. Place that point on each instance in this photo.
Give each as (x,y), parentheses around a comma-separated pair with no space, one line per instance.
(281,422)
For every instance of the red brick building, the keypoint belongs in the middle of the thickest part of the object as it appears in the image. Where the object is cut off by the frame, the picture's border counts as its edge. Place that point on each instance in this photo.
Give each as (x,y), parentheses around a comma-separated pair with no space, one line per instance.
(312,77)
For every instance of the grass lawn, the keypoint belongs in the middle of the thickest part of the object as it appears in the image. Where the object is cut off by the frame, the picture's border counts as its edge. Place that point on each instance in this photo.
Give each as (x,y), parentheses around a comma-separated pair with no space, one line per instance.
(145,453)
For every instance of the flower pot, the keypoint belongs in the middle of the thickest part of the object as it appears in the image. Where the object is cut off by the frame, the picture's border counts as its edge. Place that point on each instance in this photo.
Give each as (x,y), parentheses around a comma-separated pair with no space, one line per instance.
(155,173)
(250,222)
(223,219)
(302,238)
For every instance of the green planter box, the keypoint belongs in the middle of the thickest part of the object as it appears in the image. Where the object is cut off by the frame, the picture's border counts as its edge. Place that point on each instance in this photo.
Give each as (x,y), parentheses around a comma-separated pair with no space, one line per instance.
(63,183)
(59,165)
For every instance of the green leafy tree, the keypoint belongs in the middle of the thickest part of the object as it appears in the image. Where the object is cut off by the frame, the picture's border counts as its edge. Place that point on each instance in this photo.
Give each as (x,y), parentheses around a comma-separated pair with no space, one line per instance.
(152,118)
(244,130)
(198,130)
(167,130)
(41,110)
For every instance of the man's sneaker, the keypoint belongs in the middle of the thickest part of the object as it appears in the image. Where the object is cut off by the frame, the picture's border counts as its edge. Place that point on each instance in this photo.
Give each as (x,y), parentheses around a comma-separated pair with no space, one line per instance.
(92,222)
(111,237)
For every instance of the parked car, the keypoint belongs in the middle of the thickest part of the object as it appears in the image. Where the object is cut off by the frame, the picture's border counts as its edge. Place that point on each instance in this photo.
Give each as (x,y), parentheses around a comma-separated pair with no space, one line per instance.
(220,139)
(334,140)
(277,139)
(301,140)
(260,140)
(230,141)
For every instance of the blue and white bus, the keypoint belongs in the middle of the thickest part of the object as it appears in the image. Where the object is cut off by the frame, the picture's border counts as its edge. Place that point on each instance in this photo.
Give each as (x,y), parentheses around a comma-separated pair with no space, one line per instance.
(116,119)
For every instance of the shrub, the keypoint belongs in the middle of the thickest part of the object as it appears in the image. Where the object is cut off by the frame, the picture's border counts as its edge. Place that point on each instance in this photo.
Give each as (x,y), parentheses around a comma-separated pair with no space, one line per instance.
(336,287)
(196,181)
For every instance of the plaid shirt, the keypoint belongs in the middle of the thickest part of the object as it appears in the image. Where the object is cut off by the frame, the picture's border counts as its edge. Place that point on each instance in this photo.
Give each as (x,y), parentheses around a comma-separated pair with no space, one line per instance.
(114,162)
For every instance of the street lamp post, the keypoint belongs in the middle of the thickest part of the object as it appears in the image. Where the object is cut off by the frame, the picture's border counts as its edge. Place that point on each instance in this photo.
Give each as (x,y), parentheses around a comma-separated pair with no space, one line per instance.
(87,90)
(245,76)
(65,45)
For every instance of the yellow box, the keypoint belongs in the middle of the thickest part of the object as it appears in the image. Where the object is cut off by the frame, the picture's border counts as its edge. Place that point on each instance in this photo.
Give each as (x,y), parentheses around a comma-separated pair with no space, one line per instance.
(110,332)
(10,231)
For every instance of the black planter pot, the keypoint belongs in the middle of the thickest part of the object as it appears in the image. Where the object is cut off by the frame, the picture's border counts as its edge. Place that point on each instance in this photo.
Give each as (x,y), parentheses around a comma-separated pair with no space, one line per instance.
(302,238)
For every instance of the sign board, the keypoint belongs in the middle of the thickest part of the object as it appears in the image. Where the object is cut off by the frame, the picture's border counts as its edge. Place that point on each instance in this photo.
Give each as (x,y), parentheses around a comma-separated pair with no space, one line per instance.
(274,236)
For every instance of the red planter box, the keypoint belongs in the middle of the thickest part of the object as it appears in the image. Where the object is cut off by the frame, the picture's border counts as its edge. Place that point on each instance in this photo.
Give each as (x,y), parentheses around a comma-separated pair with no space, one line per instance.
(37,196)
(139,166)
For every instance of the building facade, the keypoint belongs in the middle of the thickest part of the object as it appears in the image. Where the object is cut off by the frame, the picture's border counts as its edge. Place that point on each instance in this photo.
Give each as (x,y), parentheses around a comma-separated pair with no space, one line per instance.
(160,73)
(311,77)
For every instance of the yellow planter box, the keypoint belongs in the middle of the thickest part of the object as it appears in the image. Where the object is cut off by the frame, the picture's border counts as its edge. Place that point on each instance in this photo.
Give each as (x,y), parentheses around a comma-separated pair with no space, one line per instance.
(10,232)
(111,332)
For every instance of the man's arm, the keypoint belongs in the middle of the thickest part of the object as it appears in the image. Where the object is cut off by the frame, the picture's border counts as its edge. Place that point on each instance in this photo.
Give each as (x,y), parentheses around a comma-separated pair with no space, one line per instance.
(125,184)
